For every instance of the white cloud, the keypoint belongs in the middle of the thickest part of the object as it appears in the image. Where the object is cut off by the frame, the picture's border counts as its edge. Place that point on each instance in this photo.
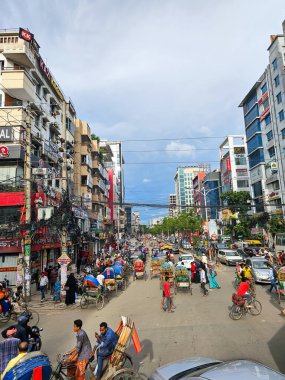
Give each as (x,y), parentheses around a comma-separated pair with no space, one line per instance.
(146,180)
(180,150)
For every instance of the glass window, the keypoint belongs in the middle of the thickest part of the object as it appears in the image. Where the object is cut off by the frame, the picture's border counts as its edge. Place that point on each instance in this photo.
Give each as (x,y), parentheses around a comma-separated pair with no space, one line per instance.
(281,115)
(283,133)
(267,119)
(253,114)
(274,64)
(250,104)
(264,88)
(240,161)
(271,152)
(269,136)
(279,98)
(253,128)
(242,183)
(277,80)
(283,152)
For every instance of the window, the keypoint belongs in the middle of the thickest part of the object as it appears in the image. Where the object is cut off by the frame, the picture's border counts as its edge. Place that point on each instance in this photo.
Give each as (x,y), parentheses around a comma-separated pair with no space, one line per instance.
(264,88)
(1,65)
(83,159)
(57,183)
(269,136)
(267,119)
(283,133)
(274,64)
(37,121)
(283,152)
(38,89)
(242,183)
(271,152)
(279,98)
(281,115)
(0,100)
(265,104)
(45,94)
(240,161)
(277,80)
(275,185)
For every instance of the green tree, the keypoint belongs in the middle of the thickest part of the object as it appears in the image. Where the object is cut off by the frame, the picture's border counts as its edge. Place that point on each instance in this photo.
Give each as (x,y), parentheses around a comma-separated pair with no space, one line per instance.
(276,225)
(237,201)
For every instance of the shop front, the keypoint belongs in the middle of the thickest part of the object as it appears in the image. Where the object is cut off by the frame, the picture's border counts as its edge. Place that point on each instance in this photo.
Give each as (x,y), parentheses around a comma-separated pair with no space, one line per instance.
(9,253)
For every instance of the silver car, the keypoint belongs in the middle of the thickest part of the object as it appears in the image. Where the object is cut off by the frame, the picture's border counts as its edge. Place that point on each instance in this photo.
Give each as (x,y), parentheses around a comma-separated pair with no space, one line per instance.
(260,271)
(229,257)
(211,369)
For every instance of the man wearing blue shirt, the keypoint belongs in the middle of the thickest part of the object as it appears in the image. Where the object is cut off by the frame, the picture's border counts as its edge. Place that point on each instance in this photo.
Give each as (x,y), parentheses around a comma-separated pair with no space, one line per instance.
(106,343)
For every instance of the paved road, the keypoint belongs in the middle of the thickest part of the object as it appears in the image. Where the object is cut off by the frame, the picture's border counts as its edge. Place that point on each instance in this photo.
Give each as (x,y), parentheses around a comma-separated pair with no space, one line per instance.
(200,325)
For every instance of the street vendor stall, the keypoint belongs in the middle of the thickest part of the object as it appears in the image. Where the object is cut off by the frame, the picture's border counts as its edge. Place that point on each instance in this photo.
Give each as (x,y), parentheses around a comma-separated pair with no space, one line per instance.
(155,268)
(167,270)
(182,280)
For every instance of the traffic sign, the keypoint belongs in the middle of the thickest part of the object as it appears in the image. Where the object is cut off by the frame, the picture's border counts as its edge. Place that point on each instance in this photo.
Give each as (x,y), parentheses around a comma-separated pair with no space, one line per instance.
(64,259)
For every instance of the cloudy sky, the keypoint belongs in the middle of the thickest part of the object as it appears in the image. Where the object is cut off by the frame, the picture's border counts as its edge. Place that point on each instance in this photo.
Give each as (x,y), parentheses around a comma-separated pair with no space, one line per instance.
(145,70)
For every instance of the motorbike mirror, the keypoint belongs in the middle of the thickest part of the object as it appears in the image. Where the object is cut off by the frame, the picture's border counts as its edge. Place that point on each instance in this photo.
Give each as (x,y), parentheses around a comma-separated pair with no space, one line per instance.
(41,329)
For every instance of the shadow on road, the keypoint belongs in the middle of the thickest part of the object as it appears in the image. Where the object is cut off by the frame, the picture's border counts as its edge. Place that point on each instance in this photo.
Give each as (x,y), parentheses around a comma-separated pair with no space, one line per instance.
(276,347)
(138,358)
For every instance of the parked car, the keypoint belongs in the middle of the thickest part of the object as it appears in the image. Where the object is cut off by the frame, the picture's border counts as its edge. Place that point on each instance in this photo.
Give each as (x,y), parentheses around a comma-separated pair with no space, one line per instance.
(260,270)
(212,369)
(229,257)
(187,260)
(175,248)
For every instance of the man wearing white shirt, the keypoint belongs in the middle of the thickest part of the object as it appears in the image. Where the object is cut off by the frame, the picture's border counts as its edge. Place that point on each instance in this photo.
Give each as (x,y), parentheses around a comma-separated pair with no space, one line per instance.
(203,281)
(43,286)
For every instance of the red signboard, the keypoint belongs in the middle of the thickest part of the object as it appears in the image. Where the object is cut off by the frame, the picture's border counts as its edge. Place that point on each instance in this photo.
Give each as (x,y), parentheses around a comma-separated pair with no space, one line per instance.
(264,96)
(264,113)
(228,163)
(25,35)
(8,269)
(12,199)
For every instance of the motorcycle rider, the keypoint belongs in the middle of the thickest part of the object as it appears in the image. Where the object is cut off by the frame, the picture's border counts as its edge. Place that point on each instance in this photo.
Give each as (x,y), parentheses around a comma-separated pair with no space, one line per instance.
(23,329)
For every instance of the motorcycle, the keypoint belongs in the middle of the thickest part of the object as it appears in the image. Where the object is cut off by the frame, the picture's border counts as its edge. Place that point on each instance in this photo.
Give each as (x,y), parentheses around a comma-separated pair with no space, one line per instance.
(35,341)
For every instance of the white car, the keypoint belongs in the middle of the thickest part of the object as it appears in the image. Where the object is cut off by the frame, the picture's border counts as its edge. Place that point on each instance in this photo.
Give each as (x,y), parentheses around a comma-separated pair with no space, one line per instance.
(187,260)
(229,257)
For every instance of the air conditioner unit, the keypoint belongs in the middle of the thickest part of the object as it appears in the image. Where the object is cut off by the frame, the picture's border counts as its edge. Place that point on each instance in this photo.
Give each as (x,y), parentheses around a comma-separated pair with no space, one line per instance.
(273,165)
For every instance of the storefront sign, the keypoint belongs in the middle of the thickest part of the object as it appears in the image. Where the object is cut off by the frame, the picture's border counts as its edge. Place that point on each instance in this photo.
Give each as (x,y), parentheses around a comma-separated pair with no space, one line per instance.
(8,269)
(5,133)
(48,75)
(4,151)
(51,152)
(64,259)
(25,35)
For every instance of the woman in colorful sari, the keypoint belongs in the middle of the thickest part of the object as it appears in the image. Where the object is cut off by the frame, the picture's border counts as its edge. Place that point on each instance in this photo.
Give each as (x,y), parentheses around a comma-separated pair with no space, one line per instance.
(212,278)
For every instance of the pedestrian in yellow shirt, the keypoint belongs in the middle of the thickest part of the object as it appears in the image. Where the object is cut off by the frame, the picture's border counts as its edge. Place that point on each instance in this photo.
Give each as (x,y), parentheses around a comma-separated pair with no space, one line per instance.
(22,351)
(247,271)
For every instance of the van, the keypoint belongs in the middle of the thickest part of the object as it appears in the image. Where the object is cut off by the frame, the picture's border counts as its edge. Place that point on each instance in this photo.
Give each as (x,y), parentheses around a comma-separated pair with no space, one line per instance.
(187,259)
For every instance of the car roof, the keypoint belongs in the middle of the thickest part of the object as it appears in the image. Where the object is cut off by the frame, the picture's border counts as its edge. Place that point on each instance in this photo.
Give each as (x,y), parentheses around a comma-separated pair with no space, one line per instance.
(228,250)
(169,370)
(257,259)
(241,369)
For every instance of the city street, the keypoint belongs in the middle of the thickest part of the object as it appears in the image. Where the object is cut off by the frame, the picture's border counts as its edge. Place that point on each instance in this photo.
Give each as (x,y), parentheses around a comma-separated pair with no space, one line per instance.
(199,327)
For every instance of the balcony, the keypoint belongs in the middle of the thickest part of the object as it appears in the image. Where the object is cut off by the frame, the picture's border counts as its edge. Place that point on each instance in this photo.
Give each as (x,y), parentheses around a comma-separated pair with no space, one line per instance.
(19,83)
(17,50)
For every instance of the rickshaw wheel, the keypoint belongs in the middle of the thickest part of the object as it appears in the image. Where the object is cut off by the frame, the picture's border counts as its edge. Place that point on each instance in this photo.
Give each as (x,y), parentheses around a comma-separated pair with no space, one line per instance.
(100,302)
(84,302)
(124,374)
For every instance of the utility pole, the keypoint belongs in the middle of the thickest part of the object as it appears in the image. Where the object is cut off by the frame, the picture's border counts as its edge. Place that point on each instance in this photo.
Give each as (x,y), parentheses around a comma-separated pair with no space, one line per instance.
(64,260)
(27,237)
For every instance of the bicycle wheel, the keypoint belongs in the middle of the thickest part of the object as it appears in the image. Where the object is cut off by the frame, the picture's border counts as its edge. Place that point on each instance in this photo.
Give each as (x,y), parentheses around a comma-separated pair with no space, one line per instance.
(100,302)
(235,313)
(84,301)
(124,374)
(6,318)
(35,318)
(256,308)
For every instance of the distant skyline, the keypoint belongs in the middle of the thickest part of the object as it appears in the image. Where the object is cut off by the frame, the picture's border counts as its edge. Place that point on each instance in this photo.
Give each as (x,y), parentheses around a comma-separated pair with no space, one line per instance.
(160,69)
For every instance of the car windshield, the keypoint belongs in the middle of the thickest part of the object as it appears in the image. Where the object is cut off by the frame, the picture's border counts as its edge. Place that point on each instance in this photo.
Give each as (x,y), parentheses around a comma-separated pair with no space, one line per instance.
(231,254)
(260,264)
(187,257)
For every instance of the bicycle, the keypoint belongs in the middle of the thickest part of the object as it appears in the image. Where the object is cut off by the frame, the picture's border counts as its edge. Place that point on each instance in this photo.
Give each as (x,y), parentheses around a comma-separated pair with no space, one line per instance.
(95,296)
(239,308)
(12,314)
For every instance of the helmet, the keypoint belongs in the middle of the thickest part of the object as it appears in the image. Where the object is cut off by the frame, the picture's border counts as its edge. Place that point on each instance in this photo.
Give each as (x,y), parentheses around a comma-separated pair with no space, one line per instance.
(35,330)
(23,320)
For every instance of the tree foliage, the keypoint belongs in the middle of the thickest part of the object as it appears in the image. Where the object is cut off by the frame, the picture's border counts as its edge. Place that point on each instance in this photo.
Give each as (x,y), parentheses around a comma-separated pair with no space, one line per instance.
(185,221)
(237,201)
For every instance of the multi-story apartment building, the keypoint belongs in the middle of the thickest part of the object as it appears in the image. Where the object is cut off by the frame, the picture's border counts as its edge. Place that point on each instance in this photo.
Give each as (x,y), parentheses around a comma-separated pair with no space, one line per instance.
(234,164)
(183,182)
(30,97)
(264,116)
(172,210)
(211,193)
(198,194)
